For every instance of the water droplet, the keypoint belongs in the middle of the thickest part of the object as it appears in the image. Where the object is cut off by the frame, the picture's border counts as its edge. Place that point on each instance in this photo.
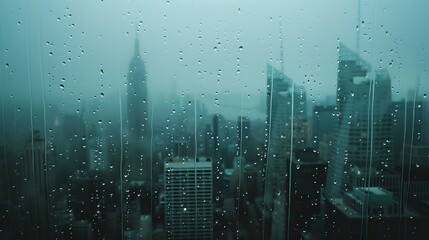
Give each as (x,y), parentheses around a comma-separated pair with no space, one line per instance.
(62,86)
(240,48)
(51,54)
(101,71)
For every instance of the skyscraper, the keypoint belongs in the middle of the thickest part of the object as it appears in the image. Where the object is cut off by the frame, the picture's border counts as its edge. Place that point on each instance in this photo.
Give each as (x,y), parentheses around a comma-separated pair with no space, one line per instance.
(286,130)
(37,185)
(188,198)
(243,136)
(324,123)
(139,124)
(364,131)
(286,105)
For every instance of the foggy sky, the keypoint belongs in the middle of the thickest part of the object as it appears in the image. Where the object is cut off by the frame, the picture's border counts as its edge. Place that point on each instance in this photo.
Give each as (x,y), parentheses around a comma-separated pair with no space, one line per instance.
(196,48)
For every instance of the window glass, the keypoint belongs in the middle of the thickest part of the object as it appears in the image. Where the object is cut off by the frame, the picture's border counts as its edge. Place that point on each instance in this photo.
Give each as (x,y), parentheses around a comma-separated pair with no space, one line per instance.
(214,119)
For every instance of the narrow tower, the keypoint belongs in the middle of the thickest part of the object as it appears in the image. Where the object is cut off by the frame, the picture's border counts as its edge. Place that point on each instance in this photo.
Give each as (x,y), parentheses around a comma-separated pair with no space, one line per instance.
(139,127)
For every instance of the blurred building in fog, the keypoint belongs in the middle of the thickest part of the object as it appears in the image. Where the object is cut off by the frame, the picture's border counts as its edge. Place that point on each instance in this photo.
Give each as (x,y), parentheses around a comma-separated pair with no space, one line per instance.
(38,180)
(139,125)
(243,136)
(363,135)
(324,123)
(308,176)
(287,129)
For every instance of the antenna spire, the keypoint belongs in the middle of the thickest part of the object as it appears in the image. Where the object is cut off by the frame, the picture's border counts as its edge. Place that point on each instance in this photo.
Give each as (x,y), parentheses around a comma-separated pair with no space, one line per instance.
(358,29)
(281,45)
(137,42)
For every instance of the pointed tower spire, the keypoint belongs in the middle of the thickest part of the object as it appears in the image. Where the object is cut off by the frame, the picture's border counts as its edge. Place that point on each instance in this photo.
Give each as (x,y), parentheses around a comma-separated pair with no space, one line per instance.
(139,121)
(137,44)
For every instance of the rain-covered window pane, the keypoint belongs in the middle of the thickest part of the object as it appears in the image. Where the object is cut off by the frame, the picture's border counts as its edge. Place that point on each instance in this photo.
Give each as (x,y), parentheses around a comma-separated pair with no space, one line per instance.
(214,119)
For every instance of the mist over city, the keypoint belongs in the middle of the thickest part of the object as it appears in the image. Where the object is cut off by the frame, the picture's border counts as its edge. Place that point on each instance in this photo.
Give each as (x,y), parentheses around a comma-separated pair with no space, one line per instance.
(214,120)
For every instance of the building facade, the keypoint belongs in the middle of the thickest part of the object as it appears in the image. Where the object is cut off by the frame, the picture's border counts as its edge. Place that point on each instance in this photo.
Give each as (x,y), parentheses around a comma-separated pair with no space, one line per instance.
(188,198)
(363,135)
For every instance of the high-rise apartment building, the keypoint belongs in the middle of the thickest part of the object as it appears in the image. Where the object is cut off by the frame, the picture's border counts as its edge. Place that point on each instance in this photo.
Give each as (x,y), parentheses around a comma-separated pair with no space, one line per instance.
(188,198)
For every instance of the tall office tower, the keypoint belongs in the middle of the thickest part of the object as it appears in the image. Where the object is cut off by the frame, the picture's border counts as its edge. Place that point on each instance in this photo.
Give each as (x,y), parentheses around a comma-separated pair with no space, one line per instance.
(280,115)
(207,140)
(409,126)
(425,120)
(308,176)
(139,128)
(364,131)
(70,139)
(286,107)
(188,198)
(324,123)
(216,135)
(217,164)
(36,163)
(243,136)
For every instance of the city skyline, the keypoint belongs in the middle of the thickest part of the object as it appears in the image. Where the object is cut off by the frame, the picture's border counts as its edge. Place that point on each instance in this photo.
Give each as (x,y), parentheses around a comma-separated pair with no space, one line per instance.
(200,120)
(389,43)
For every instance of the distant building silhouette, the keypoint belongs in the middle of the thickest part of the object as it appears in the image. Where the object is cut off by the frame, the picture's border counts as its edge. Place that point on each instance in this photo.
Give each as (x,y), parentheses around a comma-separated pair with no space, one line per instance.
(243,136)
(308,176)
(364,131)
(287,129)
(139,125)
(325,122)
(37,181)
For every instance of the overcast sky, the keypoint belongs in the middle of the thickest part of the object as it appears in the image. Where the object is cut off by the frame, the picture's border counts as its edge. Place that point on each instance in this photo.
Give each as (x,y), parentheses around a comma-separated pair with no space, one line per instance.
(203,48)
